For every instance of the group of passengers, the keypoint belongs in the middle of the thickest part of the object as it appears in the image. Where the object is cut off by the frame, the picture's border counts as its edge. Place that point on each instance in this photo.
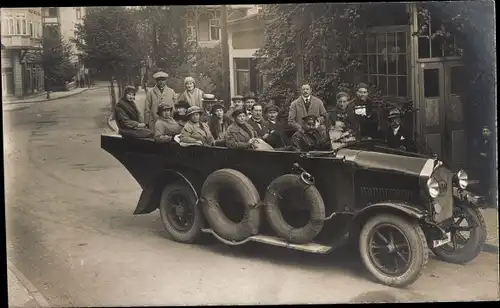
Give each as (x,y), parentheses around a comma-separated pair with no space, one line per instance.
(199,118)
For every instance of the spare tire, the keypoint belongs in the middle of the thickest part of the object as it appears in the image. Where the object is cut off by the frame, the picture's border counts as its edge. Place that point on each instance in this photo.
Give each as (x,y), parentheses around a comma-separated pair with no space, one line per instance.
(275,192)
(241,189)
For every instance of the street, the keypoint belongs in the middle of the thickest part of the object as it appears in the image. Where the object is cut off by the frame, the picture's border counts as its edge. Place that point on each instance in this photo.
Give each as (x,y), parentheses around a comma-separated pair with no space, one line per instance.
(71,232)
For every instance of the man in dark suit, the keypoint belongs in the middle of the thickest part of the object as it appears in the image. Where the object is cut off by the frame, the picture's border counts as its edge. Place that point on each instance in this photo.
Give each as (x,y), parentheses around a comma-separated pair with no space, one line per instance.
(258,123)
(277,136)
(311,138)
(362,114)
(396,136)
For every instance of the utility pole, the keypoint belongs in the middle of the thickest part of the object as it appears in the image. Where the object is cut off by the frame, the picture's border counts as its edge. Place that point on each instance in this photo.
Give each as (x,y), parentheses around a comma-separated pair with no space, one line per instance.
(225,57)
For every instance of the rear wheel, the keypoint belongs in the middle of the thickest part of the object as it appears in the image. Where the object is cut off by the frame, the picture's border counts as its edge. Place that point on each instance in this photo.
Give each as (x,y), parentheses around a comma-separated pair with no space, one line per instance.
(393,249)
(468,235)
(180,214)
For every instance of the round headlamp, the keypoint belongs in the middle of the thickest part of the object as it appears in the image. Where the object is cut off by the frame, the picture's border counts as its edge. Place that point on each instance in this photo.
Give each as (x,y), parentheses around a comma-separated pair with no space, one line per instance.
(433,187)
(462,179)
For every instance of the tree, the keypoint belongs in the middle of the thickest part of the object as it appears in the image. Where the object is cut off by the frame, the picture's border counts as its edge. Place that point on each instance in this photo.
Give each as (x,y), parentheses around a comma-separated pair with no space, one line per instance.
(326,31)
(108,40)
(56,60)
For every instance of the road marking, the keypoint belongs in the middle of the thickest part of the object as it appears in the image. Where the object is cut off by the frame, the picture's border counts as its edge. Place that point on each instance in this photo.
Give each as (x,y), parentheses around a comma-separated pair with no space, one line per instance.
(42,302)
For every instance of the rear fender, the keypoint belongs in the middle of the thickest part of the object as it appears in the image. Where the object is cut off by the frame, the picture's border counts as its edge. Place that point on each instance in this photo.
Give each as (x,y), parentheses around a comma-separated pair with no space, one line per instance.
(150,196)
(394,207)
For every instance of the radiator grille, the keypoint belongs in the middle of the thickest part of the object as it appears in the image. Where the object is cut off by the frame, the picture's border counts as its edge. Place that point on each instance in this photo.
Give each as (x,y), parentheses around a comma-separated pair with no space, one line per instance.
(376,194)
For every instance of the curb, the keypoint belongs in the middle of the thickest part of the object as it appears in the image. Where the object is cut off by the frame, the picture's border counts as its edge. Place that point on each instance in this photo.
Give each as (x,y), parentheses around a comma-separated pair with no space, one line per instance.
(41,301)
(45,99)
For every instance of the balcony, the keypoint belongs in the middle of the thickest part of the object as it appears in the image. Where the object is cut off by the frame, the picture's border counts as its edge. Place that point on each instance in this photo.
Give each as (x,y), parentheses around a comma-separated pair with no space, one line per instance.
(20,42)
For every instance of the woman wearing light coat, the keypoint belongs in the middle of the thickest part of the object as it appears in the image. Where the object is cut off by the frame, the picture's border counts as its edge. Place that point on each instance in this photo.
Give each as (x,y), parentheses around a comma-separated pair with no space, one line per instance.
(192,95)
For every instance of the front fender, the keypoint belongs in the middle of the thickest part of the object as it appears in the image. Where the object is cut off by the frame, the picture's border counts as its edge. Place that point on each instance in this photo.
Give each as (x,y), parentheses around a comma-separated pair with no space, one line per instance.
(150,196)
(404,208)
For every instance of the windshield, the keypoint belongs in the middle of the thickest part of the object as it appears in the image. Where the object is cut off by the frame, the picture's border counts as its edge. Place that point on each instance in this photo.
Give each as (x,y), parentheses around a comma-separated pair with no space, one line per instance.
(377,145)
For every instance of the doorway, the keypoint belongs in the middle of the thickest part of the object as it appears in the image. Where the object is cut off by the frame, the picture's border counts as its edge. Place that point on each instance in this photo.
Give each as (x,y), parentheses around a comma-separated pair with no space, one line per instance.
(442,90)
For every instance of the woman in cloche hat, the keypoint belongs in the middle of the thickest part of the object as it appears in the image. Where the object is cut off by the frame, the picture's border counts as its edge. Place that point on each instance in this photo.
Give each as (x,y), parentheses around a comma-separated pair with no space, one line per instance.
(128,118)
(219,123)
(166,127)
(195,131)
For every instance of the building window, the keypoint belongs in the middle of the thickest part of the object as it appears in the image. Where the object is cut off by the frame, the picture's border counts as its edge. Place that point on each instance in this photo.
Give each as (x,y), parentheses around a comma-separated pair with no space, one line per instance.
(78,12)
(32,34)
(385,61)
(242,71)
(214,26)
(52,12)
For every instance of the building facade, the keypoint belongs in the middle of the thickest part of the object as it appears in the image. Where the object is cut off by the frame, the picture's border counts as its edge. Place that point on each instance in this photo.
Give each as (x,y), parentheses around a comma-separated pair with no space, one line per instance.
(64,20)
(246,37)
(22,71)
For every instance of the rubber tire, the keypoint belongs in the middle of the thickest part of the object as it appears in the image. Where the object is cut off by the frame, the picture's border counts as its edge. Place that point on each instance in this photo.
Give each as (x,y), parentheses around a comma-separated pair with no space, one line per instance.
(417,242)
(294,235)
(193,234)
(478,237)
(214,215)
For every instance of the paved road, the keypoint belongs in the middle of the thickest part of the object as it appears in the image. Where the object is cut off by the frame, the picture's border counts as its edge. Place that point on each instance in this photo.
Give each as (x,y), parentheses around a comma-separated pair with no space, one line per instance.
(71,232)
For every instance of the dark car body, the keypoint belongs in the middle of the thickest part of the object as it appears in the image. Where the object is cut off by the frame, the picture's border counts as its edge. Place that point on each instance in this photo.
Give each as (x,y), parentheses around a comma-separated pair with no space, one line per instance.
(353,181)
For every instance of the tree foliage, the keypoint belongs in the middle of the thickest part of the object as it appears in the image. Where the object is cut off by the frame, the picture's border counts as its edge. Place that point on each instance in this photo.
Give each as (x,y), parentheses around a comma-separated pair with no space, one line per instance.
(326,30)
(56,59)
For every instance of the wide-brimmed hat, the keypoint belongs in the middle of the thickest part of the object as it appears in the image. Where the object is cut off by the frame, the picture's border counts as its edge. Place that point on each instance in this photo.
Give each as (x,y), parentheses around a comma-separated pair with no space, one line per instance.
(394,113)
(249,95)
(182,104)
(218,106)
(160,75)
(237,98)
(237,112)
(271,107)
(192,110)
(209,98)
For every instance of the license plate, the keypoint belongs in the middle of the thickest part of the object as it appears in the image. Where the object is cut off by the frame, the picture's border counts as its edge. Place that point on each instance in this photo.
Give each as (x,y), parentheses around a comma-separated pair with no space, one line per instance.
(437,243)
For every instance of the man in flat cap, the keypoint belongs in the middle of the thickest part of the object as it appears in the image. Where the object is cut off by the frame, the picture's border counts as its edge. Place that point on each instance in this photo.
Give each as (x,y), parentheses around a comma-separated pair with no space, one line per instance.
(277,136)
(236,102)
(249,99)
(160,93)
(396,136)
(306,104)
(362,114)
(309,137)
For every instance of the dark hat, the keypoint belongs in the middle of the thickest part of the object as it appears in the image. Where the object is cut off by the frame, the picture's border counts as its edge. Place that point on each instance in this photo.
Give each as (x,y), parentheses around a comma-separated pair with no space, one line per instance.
(270,107)
(237,112)
(394,113)
(218,106)
(249,95)
(309,117)
(182,104)
(341,94)
(362,85)
(193,109)
(129,89)
(209,98)
(237,97)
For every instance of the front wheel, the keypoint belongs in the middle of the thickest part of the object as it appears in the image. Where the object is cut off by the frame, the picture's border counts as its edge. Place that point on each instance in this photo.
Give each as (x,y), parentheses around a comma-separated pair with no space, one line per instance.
(468,235)
(393,249)
(180,214)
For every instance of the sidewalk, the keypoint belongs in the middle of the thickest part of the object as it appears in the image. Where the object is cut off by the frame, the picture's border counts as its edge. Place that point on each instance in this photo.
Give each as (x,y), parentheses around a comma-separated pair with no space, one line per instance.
(21,293)
(491,219)
(9,105)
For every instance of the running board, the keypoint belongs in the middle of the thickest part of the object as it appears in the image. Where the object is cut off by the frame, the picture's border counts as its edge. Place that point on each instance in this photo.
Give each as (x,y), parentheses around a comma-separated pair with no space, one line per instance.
(275,241)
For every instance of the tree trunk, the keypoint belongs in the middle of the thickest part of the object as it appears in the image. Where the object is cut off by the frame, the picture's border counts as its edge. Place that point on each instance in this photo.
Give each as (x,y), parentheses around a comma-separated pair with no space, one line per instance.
(113,96)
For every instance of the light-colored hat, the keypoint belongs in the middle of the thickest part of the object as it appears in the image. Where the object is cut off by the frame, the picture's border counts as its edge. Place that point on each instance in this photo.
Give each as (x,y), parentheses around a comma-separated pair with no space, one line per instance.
(160,75)
(193,109)
(394,113)
(209,97)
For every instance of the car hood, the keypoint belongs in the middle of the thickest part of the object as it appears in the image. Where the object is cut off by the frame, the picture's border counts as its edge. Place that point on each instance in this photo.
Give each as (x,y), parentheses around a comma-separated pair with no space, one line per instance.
(414,166)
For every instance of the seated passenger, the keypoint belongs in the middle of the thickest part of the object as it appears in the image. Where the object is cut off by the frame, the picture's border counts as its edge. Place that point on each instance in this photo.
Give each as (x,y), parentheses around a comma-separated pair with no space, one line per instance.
(396,136)
(258,123)
(311,137)
(340,134)
(165,126)
(181,108)
(127,116)
(240,135)
(277,135)
(219,123)
(195,131)
(208,101)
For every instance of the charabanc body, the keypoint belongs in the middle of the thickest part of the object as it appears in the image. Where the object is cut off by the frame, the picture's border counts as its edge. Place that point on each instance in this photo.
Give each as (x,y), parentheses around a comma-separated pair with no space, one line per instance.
(394,205)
